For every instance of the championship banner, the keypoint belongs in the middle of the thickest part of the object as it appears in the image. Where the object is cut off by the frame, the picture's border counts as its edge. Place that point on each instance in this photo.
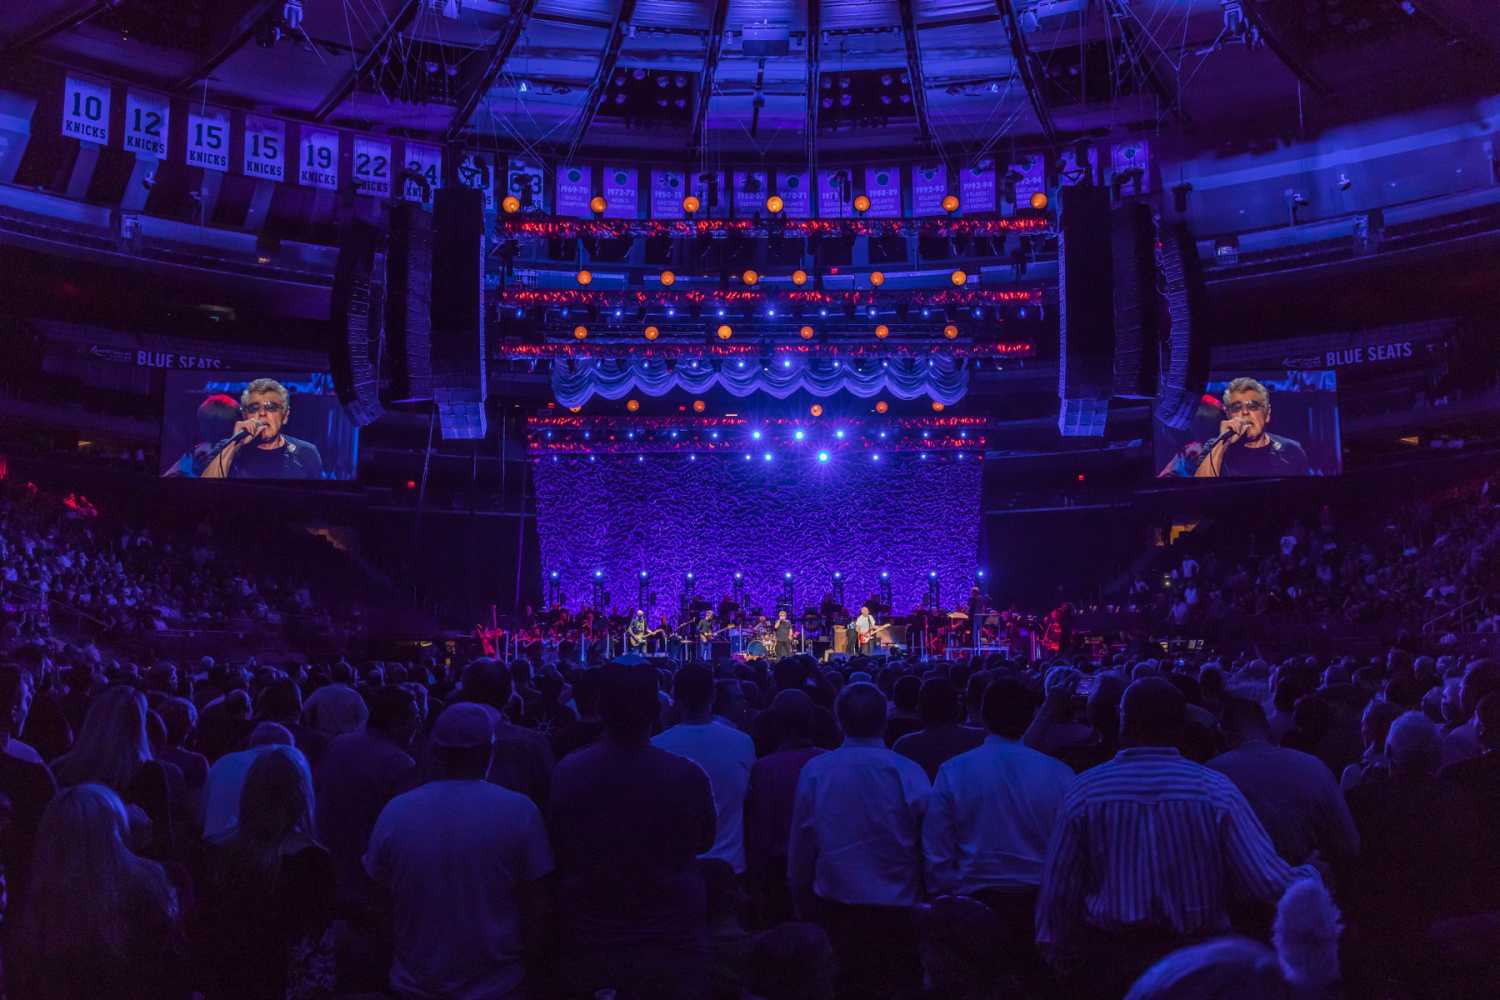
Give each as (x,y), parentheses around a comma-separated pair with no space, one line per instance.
(426,161)
(147,117)
(1131,164)
(85,110)
(709,188)
(622,193)
(750,192)
(208,138)
(265,149)
(575,186)
(929,186)
(976,187)
(796,193)
(1033,171)
(526,181)
(666,193)
(320,159)
(372,167)
(883,188)
(1076,170)
(835,194)
(477,170)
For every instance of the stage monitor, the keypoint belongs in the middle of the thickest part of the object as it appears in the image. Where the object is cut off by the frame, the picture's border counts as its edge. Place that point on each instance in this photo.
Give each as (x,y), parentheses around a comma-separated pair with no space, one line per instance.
(256,425)
(1256,425)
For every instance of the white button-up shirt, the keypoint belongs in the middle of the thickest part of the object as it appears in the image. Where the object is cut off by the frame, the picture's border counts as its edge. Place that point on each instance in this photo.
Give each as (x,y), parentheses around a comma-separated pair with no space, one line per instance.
(857,826)
(991,816)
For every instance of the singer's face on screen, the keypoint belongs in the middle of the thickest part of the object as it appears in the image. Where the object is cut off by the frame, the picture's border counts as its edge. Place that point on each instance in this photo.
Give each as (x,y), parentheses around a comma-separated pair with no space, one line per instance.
(270,409)
(1252,407)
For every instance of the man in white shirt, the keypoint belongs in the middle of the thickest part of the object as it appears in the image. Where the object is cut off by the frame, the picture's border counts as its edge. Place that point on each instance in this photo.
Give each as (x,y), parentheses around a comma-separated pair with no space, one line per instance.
(462,860)
(336,708)
(854,860)
(725,754)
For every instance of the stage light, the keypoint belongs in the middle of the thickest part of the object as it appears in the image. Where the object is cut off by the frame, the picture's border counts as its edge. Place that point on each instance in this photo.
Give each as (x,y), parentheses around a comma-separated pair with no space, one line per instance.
(510,204)
(877,278)
(861,203)
(747,456)
(1039,200)
(724,332)
(837,575)
(632,405)
(597,205)
(580,332)
(923,456)
(652,333)
(585,277)
(643,574)
(823,312)
(950,203)
(950,331)
(774,204)
(882,331)
(875,457)
(767,456)
(755,435)
(822,456)
(799,277)
(749,277)
(881,406)
(692,458)
(816,409)
(958,277)
(771,313)
(806,333)
(937,406)
(411,484)
(720,313)
(932,575)
(799,435)
(739,576)
(884,575)
(575,409)
(690,204)
(839,434)
(667,278)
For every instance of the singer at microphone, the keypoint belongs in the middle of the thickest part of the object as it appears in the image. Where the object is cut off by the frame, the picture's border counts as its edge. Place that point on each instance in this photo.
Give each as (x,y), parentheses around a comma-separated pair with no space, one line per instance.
(1244,448)
(257,448)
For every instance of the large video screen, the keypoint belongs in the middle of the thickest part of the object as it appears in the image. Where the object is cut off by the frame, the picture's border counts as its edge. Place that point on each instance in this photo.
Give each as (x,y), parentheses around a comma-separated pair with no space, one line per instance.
(256,425)
(1256,425)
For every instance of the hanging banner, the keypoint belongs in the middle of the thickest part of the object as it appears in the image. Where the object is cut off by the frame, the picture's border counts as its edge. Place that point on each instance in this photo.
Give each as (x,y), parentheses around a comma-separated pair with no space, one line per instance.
(1032,168)
(575,186)
(929,186)
(320,159)
(709,187)
(524,181)
(265,149)
(883,188)
(372,167)
(208,138)
(1080,165)
(1131,165)
(795,192)
(666,193)
(750,192)
(427,163)
(85,110)
(477,170)
(146,120)
(976,187)
(622,193)
(835,194)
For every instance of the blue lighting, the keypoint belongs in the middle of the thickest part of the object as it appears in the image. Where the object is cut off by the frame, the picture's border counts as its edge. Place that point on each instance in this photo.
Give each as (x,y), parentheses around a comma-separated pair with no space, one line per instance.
(692,458)
(520,313)
(822,312)
(839,434)
(870,311)
(585,435)
(788,576)
(549,435)
(822,456)
(739,576)
(923,456)
(643,574)
(799,435)
(674,434)
(690,576)
(598,573)
(771,313)
(714,435)
(742,364)
(721,313)
(837,575)
(767,456)
(786,362)
(671,311)
(875,457)
(747,456)
(978,312)
(980,574)
(1023,312)
(960,456)
(591,458)
(926,313)
(565,310)
(554,574)
(884,575)
(882,435)
(755,435)
(640,458)
(926,434)
(619,313)
(963,434)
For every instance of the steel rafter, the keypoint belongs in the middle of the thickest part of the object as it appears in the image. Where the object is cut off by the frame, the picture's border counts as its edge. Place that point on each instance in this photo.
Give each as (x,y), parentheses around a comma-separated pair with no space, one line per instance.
(350,81)
(611,56)
(1021,53)
(914,72)
(706,78)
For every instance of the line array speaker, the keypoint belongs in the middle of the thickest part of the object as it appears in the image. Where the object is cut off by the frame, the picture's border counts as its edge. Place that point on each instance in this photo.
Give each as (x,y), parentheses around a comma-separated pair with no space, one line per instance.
(357,307)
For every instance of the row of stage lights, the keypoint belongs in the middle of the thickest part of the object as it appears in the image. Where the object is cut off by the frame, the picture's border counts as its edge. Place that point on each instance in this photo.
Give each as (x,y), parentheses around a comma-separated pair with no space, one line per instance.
(816,409)
(824,456)
(739,577)
(750,278)
(726,332)
(775,205)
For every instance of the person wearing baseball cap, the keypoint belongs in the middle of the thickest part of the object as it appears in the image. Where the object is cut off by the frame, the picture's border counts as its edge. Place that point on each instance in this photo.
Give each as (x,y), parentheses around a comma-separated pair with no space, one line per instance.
(463,861)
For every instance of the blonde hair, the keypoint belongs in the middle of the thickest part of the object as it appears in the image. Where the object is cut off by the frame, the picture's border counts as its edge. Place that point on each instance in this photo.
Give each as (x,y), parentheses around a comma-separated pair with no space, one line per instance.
(112,745)
(264,385)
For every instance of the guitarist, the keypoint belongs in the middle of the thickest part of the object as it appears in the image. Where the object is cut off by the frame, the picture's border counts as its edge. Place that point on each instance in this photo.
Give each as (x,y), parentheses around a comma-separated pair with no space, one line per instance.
(636,633)
(864,630)
(706,632)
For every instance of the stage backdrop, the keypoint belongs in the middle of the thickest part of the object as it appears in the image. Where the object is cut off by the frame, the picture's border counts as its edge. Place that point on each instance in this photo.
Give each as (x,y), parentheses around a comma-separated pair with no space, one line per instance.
(720,514)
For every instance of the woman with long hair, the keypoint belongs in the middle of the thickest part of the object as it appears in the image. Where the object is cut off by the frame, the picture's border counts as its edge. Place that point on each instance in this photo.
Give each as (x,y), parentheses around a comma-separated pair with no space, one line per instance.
(267,891)
(99,920)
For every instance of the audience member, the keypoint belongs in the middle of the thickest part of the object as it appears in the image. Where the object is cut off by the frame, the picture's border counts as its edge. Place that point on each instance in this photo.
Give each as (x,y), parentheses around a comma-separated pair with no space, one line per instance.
(942,736)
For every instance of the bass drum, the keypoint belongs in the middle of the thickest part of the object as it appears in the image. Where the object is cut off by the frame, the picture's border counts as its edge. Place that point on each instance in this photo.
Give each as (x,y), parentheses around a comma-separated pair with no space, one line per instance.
(757,650)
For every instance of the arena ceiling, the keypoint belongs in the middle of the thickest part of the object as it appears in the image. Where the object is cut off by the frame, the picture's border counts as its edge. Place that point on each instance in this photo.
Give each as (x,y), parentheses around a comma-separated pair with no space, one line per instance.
(708,79)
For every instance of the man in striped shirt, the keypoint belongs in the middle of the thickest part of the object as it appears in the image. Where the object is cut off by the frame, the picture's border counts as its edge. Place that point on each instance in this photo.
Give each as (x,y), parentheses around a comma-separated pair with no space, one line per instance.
(1149,851)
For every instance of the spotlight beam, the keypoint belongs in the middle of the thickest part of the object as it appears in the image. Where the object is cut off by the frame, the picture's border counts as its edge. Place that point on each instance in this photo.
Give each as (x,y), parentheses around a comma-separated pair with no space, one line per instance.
(504,45)
(1021,53)
(706,78)
(595,96)
(914,71)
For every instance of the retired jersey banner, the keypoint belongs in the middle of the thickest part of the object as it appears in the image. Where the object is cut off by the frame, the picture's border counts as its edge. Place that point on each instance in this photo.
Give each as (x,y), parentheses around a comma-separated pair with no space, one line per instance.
(265,149)
(320,159)
(427,163)
(86,110)
(929,186)
(835,194)
(622,193)
(372,166)
(146,120)
(750,192)
(883,188)
(477,170)
(1033,170)
(575,186)
(1131,164)
(667,187)
(208,138)
(524,180)
(796,193)
(709,188)
(976,187)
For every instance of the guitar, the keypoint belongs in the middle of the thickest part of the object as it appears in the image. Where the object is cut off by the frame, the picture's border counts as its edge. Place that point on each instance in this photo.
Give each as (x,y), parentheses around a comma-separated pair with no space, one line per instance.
(872,633)
(639,639)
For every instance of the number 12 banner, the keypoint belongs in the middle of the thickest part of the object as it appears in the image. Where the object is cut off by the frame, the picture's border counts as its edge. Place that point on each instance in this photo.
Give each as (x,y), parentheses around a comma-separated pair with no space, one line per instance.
(147,117)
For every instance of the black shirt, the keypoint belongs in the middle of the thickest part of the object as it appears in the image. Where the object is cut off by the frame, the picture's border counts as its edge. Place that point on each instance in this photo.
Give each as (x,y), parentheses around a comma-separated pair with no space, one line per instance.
(295,459)
(1282,457)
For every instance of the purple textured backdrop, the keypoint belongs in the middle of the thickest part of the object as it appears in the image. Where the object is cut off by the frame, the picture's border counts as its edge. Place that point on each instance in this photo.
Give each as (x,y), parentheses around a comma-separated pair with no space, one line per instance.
(718,514)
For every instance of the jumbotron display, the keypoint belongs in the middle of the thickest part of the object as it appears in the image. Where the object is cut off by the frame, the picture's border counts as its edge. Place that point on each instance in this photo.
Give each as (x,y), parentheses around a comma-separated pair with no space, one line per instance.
(1248,426)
